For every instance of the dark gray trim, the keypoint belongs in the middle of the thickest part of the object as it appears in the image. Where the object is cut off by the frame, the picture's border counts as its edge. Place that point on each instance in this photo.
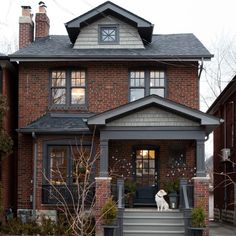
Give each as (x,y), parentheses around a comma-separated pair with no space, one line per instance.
(55,131)
(152,135)
(145,128)
(200,158)
(104,158)
(177,58)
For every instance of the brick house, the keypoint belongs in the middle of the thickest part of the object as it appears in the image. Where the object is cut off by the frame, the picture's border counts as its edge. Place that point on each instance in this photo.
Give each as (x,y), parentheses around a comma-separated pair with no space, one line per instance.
(8,163)
(224,154)
(139,90)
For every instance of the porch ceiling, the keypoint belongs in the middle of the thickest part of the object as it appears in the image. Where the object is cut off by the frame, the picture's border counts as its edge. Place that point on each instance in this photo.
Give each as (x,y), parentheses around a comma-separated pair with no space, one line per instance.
(154,111)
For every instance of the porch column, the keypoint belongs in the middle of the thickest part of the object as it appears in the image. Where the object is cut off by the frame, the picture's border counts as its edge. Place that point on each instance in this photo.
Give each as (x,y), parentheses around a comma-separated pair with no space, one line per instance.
(200,155)
(103,158)
(201,197)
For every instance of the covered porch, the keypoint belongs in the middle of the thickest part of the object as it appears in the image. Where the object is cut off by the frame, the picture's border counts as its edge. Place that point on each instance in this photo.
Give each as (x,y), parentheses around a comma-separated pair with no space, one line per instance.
(152,135)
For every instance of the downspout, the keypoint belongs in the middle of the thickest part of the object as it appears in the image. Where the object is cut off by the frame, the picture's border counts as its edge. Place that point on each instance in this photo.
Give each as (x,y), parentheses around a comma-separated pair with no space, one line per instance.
(34,177)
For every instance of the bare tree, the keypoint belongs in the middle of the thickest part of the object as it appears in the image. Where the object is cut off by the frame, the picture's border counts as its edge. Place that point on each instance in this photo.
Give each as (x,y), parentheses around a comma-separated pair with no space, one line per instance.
(76,201)
(218,72)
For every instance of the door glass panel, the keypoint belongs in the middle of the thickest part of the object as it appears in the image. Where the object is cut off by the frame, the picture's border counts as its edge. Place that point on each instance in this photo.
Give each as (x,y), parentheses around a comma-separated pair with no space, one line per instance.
(145,167)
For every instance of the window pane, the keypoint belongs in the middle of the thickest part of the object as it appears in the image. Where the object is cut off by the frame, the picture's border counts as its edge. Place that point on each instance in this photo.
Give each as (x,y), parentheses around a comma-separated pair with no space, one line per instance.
(158,91)
(136,94)
(162,82)
(162,75)
(58,96)
(77,96)
(108,34)
(78,78)
(58,165)
(58,82)
(78,82)
(58,74)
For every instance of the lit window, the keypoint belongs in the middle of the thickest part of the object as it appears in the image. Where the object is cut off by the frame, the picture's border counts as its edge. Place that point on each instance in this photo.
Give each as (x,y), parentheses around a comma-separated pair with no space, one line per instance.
(68,87)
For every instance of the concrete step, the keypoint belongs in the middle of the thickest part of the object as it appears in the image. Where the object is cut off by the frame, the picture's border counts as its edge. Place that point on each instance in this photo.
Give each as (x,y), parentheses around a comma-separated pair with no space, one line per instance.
(150,222)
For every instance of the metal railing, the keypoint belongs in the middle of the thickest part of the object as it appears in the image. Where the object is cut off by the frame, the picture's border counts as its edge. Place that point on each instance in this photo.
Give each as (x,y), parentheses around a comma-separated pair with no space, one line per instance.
(117,191)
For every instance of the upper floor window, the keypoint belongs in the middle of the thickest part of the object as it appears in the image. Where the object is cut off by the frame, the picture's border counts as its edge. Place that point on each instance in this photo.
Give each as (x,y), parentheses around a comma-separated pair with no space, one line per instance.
(146,82)
(108,34)
(68,87)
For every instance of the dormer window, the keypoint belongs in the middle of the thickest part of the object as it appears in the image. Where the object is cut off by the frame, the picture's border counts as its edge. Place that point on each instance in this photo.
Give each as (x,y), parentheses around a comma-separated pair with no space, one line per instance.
(108,34)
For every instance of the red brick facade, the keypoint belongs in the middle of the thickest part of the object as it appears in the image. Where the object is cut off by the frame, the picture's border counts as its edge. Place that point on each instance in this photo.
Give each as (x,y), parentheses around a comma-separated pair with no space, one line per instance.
(107,86)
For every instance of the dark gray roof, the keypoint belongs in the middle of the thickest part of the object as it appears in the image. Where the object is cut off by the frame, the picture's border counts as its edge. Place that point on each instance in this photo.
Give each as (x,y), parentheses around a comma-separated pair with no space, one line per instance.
(58,123)
(163,47)
(145,28)
(3,56)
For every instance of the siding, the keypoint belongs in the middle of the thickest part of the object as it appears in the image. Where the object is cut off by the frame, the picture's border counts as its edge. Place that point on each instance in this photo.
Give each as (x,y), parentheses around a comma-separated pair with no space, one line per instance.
(88,37)
(152,117)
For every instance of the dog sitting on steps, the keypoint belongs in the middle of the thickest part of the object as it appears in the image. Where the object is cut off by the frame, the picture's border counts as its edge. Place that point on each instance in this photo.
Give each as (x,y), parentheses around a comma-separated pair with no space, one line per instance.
(160,201)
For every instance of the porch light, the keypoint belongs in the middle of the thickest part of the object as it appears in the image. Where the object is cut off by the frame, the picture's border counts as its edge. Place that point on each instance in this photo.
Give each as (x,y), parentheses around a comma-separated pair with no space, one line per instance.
(173,199)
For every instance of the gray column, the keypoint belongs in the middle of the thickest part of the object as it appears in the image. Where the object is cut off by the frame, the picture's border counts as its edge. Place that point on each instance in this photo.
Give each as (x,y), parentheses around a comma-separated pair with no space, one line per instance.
(103,158)
(200,155)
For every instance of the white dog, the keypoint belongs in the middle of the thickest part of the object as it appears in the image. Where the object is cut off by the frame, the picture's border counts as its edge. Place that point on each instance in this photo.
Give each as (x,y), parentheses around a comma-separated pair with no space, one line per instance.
(161,203)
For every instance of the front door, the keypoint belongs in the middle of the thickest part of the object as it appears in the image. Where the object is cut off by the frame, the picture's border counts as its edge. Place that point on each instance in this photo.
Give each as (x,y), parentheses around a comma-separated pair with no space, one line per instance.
(146,175)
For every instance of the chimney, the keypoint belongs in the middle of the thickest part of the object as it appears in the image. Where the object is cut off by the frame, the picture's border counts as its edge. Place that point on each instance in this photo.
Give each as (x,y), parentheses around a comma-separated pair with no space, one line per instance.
(42,22)
(26,27)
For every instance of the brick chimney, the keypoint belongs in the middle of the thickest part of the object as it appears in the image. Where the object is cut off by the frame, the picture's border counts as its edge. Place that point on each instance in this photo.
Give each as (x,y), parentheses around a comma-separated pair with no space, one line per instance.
(26,27)
(42,22)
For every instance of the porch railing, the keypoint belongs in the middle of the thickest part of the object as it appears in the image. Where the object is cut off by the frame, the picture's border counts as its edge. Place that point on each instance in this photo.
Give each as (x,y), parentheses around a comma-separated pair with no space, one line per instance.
(186,203)
(117,191)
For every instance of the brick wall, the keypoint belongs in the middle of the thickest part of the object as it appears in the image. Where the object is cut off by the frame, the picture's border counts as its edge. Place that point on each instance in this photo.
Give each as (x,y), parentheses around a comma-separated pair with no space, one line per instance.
(26,34)
(107,86)
(42,25)
(121,158)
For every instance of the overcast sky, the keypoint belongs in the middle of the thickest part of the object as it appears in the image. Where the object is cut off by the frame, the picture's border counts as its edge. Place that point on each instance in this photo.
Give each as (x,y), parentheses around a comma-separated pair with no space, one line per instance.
(209,20)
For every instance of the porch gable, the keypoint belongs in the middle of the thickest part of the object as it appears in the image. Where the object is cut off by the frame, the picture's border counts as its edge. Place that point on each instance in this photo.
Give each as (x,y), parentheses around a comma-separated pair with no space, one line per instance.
(152,116)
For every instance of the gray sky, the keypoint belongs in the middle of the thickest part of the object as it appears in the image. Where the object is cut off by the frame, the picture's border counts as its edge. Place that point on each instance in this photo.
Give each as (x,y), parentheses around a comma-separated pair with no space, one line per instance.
(209,20)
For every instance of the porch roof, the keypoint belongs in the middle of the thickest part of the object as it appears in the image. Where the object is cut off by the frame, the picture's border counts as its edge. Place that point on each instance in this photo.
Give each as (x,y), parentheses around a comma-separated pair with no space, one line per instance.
(205,121)
(58,123)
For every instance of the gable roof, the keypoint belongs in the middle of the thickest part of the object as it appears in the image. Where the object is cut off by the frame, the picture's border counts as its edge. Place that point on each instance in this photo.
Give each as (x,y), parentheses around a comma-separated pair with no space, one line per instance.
(207,121)
(145,28)
(163,47)
(224,96)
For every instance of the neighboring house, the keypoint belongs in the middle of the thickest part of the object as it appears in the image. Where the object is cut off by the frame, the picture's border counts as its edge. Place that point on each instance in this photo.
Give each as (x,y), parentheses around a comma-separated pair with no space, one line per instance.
(140,91)
(8,163)
(225,155)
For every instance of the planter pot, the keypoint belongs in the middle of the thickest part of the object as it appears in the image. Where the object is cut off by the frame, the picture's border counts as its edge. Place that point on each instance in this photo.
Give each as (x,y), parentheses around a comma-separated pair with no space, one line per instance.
(197,231)
(109,230)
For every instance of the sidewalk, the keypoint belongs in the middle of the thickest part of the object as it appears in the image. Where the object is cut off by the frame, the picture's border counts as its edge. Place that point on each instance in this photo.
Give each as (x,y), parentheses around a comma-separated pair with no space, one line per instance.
(222,229)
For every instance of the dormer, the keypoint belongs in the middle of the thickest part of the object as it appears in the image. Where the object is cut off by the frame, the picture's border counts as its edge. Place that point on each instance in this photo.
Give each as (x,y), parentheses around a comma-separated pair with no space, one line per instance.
(109,26)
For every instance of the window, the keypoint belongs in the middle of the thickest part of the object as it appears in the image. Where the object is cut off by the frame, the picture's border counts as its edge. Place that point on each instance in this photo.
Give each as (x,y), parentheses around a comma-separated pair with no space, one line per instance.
(64,167)
(108,34)
(144,83)
(68,87)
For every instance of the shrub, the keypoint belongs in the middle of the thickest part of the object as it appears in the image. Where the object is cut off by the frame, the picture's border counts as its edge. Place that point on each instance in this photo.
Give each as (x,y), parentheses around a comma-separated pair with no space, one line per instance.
(109,212)
(198,217)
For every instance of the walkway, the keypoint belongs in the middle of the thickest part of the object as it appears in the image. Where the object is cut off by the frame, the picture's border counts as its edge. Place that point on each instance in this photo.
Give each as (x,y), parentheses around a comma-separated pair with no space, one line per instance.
(220,229)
